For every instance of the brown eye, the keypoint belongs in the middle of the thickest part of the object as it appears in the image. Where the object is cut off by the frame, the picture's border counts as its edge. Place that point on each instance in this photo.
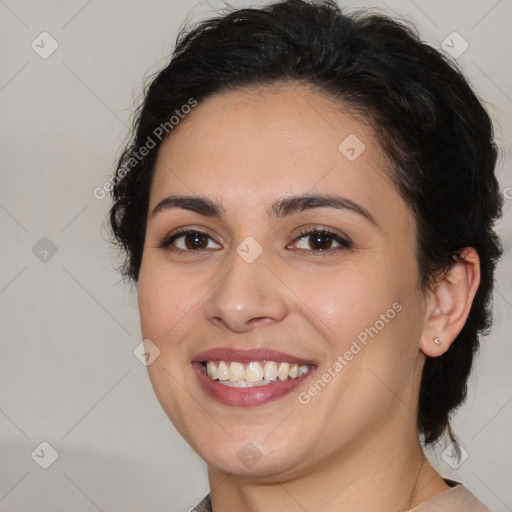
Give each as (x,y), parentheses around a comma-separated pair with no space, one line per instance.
(188,241)
(195,241)
(320,240)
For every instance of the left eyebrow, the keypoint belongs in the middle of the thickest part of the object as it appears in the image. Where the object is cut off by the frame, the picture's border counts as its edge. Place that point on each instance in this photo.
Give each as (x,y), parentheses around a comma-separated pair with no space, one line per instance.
(295,204)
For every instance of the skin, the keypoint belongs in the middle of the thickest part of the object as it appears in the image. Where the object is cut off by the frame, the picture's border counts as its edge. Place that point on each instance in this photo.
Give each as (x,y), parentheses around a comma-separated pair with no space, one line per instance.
(354,446)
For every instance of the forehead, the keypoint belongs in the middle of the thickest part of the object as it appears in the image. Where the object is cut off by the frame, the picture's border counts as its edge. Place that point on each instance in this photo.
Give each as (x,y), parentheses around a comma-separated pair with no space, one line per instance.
(260,142)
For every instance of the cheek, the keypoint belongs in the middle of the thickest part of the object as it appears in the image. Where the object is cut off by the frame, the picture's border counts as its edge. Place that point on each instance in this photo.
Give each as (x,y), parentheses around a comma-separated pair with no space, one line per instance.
(368,316)
(160,305)
(348,302)
(166,295)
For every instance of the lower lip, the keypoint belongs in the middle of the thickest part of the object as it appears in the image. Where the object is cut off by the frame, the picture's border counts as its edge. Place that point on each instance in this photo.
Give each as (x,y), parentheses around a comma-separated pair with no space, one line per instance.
(247,397)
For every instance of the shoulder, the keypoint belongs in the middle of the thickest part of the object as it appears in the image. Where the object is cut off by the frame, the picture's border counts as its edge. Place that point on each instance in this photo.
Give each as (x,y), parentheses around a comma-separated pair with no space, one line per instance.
(456,499)
(204,506)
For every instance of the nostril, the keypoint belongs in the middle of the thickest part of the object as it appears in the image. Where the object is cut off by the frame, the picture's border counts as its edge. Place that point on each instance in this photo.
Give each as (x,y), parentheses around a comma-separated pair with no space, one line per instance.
(217,320)
(260,320)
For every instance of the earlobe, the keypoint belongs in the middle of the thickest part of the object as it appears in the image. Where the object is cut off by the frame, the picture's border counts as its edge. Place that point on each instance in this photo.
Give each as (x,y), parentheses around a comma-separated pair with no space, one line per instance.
(449,303)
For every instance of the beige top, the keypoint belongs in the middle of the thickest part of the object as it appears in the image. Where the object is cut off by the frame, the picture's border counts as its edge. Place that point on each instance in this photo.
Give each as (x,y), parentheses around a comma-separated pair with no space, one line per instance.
(456,499)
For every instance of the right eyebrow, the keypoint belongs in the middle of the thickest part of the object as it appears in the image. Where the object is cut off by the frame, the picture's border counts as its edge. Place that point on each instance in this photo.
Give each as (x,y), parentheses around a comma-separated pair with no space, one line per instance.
(196,204)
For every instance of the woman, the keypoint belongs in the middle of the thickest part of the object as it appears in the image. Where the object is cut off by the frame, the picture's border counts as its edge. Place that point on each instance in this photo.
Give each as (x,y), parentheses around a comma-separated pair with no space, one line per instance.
(307,208)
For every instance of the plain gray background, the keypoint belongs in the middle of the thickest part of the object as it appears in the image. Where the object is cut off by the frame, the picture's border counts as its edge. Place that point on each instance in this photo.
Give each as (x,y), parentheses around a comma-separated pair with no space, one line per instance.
(68,375)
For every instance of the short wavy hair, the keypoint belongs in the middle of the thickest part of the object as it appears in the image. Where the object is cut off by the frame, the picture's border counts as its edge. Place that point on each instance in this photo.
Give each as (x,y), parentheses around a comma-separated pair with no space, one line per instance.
(435,131)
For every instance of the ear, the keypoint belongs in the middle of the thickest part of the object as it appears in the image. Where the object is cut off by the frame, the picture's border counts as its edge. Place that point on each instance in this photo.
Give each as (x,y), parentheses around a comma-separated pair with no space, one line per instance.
(449,302)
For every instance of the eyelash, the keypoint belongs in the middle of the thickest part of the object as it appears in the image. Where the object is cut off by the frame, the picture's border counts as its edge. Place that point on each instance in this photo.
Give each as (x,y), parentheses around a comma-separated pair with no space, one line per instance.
(344,242)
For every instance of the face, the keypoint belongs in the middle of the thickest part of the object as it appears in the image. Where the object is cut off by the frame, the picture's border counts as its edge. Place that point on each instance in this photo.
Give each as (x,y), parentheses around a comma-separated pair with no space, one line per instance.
(279,284)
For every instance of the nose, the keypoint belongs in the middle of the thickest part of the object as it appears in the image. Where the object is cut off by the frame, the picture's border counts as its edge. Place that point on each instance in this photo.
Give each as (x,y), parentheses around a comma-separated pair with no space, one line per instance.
(248,295)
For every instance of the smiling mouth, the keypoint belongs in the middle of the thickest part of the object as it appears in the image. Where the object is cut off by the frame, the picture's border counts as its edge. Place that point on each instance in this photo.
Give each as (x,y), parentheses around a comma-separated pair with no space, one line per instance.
(253,374)
(250,377)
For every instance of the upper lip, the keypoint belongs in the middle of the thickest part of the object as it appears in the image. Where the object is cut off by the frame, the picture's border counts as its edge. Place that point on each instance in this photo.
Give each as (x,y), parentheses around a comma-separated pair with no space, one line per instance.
(249,355)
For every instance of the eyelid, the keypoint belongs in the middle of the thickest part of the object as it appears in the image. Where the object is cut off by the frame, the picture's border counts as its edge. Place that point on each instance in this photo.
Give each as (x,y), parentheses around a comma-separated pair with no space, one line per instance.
(344,242)
(166,241)
(334,233)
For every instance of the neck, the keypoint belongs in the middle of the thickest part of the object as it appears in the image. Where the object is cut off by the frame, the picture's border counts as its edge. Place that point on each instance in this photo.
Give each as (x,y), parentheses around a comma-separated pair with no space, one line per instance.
(385,474)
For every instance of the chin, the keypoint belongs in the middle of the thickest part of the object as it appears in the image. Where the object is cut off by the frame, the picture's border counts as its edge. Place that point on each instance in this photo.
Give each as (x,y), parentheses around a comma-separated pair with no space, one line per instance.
(264,459)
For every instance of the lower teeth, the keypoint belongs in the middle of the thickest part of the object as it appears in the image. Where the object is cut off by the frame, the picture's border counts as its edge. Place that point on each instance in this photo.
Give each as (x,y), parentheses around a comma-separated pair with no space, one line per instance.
(243,384)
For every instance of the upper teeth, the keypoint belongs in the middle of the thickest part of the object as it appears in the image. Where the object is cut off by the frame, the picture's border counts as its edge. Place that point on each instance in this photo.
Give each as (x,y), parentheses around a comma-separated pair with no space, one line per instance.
(254,372)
